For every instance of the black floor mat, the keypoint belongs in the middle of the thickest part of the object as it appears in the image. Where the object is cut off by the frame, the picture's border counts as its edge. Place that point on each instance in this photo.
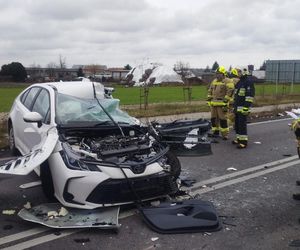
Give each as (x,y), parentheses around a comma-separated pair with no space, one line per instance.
(182,217)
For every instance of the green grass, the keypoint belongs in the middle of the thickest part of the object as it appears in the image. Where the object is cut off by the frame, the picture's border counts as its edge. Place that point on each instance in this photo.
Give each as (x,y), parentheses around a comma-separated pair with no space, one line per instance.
(166,95)
(7,96)
(158,94)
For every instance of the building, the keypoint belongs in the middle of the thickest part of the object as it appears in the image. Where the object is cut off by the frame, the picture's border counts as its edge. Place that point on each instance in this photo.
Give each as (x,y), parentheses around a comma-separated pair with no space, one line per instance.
(94,69)
(283,71)
(118,74)
(37,74)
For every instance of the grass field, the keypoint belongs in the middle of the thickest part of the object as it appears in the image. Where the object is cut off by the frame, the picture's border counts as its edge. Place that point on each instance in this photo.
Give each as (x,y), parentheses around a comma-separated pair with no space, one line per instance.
(164,94)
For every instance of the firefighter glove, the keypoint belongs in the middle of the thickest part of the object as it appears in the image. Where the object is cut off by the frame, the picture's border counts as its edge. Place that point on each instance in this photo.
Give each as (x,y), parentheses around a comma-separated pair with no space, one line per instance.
(225,108)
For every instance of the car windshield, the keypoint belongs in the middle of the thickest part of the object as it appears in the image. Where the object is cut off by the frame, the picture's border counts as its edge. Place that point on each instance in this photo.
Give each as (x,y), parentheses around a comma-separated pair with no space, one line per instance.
(71,109)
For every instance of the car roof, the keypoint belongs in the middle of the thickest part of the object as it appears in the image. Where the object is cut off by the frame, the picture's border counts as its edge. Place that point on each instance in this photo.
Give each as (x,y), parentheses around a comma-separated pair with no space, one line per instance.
(80,89)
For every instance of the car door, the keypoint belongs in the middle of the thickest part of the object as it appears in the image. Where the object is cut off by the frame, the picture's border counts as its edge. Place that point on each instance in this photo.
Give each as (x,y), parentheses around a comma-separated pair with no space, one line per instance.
(33,133)
(21,107)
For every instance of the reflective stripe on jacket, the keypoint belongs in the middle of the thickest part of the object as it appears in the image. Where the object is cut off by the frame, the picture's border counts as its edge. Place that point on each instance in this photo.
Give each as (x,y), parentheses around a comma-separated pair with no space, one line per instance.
(220,92)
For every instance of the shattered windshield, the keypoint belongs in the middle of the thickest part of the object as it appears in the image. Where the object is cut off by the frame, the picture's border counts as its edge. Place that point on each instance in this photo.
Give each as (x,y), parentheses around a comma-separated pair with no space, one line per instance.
(71,109)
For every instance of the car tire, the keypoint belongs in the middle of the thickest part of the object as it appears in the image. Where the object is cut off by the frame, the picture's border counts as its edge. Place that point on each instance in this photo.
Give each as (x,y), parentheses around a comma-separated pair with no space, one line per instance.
(47,181)
(175,164)
(11,141)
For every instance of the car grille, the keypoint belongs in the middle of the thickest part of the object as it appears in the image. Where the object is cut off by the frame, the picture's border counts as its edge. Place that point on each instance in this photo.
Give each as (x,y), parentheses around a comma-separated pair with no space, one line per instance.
(118,191)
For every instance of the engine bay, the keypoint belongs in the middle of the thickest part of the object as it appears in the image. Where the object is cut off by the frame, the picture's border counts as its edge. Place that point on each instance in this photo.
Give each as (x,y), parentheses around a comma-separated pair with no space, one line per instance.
(134,150)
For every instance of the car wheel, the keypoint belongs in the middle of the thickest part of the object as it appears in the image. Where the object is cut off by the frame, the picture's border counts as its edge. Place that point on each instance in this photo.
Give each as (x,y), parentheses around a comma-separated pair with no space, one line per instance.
(47,182)
(174,162)
(11,140)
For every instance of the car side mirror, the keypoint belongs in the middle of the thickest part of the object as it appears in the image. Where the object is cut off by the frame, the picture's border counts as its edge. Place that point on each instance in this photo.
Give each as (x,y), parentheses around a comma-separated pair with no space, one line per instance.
(33,117)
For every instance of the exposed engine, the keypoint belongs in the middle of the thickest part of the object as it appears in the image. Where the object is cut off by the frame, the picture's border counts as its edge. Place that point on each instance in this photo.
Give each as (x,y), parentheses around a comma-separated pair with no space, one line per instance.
(135,151)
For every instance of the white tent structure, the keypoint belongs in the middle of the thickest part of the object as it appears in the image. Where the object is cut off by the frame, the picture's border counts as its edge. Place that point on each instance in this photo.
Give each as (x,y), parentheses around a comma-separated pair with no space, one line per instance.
(153,74)
(163,74)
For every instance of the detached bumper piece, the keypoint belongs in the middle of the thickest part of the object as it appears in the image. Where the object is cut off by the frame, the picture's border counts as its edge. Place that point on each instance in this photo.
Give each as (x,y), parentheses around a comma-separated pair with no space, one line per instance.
(186,137)
(119,191)
(105,218)
(188,216)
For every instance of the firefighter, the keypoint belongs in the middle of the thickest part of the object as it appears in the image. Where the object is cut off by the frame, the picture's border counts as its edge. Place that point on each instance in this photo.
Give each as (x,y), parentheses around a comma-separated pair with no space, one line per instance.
(296,129)
(219,94)
(243,98)
(235,77)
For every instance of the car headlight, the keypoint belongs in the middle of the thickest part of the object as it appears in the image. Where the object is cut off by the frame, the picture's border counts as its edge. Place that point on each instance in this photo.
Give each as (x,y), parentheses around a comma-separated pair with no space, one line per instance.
(73,160)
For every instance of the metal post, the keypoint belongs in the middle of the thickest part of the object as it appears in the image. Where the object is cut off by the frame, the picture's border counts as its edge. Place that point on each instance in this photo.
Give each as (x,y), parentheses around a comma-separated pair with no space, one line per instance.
(293,78)
(277,78)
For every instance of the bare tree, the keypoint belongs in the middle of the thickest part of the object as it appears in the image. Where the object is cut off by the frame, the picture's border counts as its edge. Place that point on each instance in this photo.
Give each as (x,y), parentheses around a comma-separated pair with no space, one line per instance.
(183,69)
(51,69)
(62,62)
(92,69)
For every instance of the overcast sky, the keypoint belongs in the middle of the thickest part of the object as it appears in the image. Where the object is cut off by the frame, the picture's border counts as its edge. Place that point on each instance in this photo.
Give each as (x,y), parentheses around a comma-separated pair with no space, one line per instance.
(120,32)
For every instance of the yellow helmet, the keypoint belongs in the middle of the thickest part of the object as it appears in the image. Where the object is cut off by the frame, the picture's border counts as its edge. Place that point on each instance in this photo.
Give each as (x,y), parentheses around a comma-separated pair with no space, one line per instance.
(222,70)
(235,71)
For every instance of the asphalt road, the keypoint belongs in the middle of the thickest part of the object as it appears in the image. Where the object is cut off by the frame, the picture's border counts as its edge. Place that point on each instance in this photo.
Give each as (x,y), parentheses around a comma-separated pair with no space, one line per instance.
(254,201)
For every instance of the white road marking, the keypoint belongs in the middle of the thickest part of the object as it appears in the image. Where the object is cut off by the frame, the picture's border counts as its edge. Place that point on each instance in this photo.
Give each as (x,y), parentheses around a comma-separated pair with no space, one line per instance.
(270,121)
(41,240)
(24,234)
(245,178)
(50,237)
(30,184)
(242,172)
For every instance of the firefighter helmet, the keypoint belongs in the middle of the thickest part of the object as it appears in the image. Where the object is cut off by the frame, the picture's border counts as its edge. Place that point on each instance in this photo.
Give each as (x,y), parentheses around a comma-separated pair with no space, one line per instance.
(222,70)
(235,71)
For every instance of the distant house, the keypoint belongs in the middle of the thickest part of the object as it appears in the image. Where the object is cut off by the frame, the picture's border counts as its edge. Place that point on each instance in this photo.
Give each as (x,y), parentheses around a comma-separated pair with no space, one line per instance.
(118,74)
(37,74)
(94,69)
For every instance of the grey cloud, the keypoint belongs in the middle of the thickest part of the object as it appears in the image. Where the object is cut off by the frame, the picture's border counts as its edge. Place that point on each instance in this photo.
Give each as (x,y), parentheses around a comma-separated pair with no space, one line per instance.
(94,31)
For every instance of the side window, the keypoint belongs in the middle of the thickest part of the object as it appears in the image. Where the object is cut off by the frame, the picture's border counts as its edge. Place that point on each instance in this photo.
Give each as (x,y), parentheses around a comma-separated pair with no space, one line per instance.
(24,96)
(30,97)
(42,105)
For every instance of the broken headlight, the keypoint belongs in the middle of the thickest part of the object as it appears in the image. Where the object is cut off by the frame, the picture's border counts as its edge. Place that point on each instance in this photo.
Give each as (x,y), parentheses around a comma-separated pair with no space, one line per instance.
(74,161)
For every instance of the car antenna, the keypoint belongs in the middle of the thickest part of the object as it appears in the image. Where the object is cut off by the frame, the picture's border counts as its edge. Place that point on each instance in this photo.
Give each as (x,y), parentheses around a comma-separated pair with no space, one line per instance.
(110,117)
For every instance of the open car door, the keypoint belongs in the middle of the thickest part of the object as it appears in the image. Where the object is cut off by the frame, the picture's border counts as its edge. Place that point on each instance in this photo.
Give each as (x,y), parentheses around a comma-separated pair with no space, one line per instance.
(185,137)
(23,165)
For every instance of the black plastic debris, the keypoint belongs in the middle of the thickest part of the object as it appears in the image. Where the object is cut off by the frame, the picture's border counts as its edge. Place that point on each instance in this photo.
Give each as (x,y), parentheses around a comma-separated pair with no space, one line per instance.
(83,240)
(187,181)
(287,155)
(182,217)
(295,243)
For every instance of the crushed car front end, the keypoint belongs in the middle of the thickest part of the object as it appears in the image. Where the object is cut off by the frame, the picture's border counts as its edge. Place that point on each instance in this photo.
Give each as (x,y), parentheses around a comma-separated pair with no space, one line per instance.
(91,169)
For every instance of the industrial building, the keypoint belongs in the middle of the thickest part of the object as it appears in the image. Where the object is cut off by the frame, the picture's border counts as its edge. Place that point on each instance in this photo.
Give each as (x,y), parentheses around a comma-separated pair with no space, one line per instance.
(283,71)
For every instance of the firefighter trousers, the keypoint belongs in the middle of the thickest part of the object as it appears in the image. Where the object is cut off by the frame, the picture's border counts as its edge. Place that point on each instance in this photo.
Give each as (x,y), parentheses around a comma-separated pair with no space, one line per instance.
(219,121)
(241,128)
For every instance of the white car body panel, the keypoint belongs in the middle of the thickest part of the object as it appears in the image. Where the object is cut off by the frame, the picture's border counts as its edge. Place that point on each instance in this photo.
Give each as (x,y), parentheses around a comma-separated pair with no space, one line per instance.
(25,164)
(49,142)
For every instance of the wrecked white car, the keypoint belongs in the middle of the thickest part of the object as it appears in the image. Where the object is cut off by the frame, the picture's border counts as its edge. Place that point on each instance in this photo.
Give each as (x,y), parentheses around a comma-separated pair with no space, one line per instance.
(88,152)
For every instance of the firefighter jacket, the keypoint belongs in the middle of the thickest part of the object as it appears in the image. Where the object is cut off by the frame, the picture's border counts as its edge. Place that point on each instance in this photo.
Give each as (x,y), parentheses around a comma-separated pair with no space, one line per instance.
(243,95)
(220,92)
